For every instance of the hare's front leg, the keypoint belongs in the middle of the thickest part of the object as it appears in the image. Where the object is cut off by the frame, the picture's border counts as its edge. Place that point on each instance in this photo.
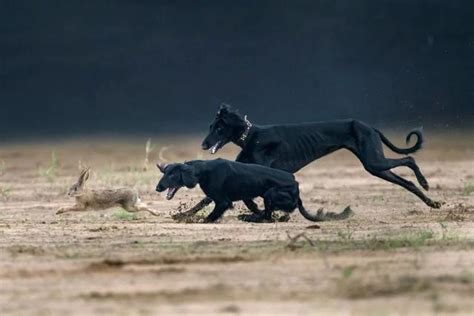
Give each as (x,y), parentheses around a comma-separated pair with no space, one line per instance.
(75,208)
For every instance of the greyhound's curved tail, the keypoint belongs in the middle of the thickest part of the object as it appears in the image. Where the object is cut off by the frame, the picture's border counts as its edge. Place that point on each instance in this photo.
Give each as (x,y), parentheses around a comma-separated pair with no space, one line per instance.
(322,216)
(404,151)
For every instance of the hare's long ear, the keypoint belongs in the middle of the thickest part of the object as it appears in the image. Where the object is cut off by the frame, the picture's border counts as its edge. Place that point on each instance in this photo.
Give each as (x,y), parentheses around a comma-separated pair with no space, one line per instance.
(84,176)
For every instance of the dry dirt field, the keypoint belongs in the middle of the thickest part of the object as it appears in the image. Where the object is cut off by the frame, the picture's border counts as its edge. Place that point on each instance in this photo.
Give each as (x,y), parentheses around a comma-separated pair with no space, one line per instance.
(394,257)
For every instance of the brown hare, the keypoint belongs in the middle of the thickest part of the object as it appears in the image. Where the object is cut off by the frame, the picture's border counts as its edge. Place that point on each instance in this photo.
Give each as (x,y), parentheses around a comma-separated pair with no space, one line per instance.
(86,199)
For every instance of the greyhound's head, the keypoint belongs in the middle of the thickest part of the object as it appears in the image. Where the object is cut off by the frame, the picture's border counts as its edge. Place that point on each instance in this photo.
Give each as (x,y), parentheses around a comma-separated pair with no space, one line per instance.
(176,176)
(227,126)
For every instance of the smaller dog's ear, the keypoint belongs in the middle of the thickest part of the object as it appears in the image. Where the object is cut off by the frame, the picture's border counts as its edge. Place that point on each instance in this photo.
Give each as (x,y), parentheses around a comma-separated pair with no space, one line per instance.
(189,177)
(161,167)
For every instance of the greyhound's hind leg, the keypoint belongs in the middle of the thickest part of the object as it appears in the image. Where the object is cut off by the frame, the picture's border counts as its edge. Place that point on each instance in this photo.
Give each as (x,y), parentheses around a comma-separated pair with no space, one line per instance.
(396,179)
(368,148)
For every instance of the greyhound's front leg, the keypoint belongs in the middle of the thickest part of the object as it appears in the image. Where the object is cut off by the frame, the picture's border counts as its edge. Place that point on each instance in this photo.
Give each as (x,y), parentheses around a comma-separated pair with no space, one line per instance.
(219,209)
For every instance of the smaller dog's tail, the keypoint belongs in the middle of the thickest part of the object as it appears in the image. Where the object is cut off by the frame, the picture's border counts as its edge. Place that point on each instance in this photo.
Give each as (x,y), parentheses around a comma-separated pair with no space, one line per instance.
(322,216)
(404,151)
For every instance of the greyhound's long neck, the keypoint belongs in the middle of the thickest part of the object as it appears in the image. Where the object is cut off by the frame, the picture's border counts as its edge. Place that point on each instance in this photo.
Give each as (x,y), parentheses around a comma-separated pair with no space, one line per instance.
(249,133)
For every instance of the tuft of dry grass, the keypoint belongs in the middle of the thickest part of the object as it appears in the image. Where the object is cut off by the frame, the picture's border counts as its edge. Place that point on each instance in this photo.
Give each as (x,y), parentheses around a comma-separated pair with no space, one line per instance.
(3,166)
(51,171)
(148,150)
(123,215)
(468,188)
(5,192)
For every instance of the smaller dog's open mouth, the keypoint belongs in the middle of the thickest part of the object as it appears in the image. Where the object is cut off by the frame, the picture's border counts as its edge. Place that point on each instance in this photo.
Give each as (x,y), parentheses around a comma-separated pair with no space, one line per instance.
(215,148)
(171,193)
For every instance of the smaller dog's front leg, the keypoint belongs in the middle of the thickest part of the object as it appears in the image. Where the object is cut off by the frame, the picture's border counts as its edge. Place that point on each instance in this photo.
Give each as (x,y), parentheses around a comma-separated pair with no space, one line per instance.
(189,213)
(219,209)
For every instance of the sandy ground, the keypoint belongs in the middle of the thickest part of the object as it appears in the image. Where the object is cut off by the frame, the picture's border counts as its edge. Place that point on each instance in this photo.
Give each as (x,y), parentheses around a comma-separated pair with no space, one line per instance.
(394,257)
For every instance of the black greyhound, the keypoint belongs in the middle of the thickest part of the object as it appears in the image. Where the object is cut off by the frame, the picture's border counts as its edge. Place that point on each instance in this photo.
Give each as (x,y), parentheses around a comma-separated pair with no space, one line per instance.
(225,181)
(291,147)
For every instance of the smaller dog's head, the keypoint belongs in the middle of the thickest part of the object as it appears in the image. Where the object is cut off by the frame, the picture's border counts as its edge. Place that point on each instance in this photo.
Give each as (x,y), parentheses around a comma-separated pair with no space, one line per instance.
(77,188)
(176,176)
(227,126)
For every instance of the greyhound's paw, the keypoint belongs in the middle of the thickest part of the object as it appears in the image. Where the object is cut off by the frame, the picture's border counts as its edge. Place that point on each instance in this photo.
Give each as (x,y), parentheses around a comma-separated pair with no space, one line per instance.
(424,184)
(434,204)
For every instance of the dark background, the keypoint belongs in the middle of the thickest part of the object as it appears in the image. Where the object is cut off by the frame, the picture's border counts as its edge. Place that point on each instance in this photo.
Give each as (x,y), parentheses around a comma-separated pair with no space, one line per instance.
(73,67)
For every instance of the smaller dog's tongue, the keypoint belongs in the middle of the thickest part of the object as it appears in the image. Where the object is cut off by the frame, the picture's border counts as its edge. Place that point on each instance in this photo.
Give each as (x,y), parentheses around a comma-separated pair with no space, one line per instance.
(214,148)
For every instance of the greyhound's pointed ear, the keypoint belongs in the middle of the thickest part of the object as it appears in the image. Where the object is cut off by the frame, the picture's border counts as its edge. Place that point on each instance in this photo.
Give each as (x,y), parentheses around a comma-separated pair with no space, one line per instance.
(161,167)
(223,109)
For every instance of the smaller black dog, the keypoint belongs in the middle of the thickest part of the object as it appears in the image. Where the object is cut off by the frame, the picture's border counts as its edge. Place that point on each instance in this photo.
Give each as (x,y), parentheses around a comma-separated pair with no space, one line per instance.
(226,181)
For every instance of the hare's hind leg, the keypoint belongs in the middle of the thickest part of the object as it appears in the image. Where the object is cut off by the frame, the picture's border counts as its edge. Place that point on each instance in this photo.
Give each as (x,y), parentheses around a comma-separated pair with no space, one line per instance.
(139,207)
(143,207)
(75,208)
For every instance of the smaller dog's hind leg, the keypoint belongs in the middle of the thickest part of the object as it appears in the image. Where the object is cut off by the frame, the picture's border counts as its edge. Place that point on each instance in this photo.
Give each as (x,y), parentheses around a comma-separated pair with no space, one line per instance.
(275,199)
(219,209)
(252,206)
(264,216)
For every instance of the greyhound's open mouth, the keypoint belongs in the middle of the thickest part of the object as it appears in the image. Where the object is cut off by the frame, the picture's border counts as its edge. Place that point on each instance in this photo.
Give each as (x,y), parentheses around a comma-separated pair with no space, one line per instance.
(215,148)
(171,193)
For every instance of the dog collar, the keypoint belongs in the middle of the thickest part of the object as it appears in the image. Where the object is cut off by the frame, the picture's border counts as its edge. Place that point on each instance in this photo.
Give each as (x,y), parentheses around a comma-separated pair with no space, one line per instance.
(245,134)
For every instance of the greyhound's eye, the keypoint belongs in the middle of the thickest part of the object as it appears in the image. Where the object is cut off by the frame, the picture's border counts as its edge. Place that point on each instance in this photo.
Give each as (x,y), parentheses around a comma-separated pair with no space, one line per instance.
(219,130)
